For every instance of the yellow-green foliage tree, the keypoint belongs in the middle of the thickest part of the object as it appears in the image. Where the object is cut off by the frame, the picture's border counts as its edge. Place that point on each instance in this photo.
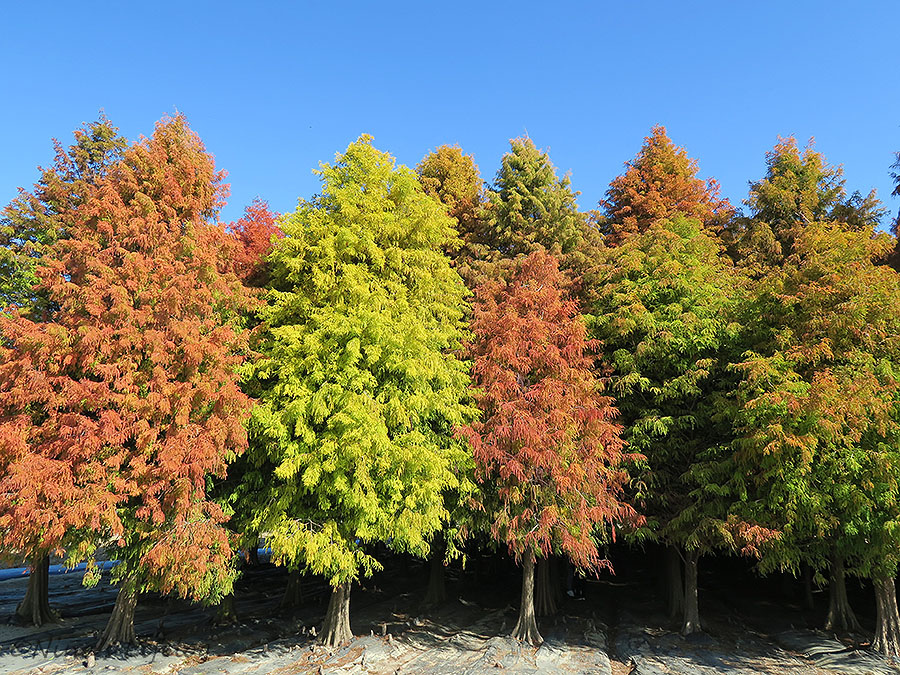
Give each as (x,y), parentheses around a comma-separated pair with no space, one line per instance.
(359,384)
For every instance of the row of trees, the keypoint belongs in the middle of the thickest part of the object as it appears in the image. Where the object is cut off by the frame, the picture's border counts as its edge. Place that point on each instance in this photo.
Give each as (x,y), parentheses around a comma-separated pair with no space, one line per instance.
(418,360)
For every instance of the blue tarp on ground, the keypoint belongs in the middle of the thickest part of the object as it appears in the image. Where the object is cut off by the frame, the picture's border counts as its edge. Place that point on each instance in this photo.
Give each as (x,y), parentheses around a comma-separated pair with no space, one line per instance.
(14,572)
(104,565)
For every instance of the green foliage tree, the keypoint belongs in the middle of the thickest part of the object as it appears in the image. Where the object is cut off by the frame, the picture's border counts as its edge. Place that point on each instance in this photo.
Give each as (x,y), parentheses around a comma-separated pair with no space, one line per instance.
(813,422)
(666,317)
(359,384)
(531,207)
(819,418)
(799,188)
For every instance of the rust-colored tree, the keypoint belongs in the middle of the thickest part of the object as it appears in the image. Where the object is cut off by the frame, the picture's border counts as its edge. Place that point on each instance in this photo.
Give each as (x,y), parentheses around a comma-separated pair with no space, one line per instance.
(114,413)
(254,234)
(30,223)
(658,183)
(33,220)
(547,443)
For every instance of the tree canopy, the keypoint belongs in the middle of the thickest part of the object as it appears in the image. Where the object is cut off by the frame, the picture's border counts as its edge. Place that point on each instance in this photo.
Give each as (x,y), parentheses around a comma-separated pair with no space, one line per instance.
(360,384)
(114,412)
(660,182)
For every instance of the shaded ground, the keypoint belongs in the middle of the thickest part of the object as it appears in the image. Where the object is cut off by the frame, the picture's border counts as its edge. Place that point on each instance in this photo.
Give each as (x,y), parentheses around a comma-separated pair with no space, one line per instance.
(617,630)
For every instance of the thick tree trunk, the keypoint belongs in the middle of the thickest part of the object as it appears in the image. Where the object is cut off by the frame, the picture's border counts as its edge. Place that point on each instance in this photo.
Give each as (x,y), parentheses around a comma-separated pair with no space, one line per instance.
(545,596)
(35,606)
(226,614)
(674,581)
(840,615)
(120,627)
(336,628)
(293,591)
(887,619)
(437,586)
(526,629)
(691,604)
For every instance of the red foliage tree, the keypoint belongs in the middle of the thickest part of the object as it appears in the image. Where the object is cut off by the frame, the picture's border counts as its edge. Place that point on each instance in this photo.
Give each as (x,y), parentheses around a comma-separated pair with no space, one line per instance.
(547,443)
(254,234)
(114,413)
(658,183)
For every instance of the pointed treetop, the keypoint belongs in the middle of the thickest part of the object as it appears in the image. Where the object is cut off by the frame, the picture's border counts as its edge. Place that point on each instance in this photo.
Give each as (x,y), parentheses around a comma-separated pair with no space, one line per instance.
(254,233)
(798,186)
(658,183)
(35,219)
(531,207)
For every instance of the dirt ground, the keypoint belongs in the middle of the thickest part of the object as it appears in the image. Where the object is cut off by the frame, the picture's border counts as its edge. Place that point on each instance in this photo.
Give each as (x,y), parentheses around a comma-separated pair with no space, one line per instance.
(616,629)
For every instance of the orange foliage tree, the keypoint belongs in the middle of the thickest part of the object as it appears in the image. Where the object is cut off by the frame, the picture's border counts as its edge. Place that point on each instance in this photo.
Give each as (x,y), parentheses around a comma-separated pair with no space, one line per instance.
(658,183)
(254,234)
(114,413)
(547,443)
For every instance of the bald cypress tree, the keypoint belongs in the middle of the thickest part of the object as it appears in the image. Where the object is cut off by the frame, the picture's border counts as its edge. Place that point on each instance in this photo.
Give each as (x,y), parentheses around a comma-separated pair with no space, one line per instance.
(36,218)
(532,207)
(660,182)
(359,384)
(28,226)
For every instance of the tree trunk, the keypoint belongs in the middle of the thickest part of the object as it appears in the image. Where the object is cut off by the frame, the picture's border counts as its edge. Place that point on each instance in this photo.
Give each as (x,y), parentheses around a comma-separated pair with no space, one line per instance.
(253,551)
(293,591)
(545,597)
(226,615)
(808,601)
(674,582)
(35,606)
(556,580)
(691,604)
(437,586)
(526,629)
(887,619)
(840,614)
(120,627)
(336,628)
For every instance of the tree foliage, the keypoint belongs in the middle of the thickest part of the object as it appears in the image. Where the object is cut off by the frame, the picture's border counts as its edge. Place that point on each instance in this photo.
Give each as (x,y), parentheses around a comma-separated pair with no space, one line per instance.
(667,319)
(359,385)
(115,411)
(34,220)
(660,182)
(548,442)
(452,177)
(254,233)
(819,416)
(530,206)
(799,188)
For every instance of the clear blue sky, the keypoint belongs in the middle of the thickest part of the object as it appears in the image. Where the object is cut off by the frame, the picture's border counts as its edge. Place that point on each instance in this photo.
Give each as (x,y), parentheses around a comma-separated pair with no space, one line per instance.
(275,88)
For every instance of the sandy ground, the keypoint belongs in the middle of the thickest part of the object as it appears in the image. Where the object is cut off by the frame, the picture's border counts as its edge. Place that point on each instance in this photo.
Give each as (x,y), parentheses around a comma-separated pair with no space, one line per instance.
(616,630)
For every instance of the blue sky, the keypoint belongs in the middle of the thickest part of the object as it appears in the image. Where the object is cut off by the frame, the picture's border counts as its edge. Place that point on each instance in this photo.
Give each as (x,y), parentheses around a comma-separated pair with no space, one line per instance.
(275,88)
